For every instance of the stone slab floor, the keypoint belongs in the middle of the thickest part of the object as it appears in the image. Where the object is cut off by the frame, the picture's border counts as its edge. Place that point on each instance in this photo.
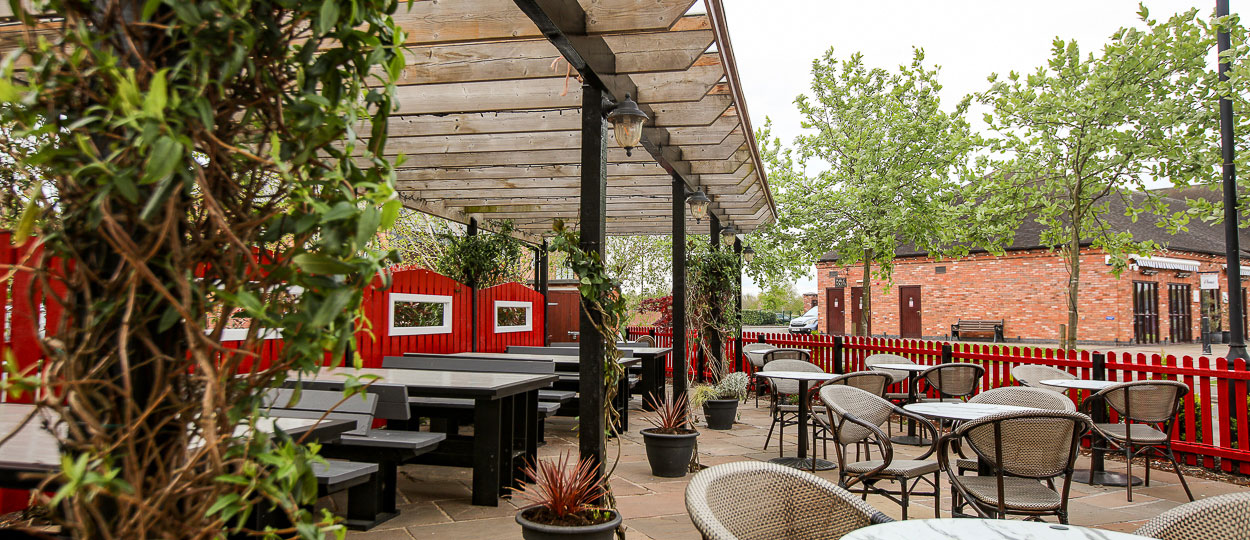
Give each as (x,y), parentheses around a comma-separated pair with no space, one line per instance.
(436,499)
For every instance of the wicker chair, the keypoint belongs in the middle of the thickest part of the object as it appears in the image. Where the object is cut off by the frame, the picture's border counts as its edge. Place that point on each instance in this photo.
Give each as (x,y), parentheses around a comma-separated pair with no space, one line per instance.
(1226,517)
(873,382)
(1033,375)
(750,500)
(645,340)
(1022,449)
(855,416)
(784,414)
(757,361)
(1148,410)
(899,377)
(954,382)
(1021,396)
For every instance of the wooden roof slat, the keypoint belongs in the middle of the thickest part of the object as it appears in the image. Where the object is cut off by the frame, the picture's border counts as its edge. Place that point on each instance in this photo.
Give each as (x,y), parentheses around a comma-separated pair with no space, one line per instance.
(449,21)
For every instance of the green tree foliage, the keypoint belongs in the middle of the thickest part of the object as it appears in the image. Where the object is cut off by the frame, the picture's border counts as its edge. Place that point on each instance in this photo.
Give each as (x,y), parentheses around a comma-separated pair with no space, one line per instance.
(1085,130)
(417,238)
(890,156)
(712,298)
(197,158)
(780,297)
(642,264)
(486,259)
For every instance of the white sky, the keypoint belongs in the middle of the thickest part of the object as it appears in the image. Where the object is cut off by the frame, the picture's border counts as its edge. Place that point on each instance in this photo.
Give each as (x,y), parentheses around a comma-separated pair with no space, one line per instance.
(775,42)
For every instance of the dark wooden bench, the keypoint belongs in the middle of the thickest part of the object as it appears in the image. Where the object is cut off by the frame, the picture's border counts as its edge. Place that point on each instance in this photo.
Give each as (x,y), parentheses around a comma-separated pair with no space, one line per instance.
(382,450)
(977,326)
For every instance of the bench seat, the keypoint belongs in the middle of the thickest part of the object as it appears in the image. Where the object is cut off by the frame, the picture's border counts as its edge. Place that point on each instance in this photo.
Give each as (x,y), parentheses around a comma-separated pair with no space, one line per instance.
(965,326)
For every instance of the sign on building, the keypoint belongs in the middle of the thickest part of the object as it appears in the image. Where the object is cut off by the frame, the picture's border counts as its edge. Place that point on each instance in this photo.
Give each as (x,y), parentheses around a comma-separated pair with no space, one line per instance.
(1209,280)
(839,282)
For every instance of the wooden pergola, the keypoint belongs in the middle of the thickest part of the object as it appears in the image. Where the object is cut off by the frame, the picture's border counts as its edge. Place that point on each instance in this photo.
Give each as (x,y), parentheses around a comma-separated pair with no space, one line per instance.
(501,116)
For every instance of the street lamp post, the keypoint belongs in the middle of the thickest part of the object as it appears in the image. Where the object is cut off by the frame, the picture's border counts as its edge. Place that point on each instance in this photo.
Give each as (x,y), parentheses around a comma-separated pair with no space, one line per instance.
(1236,341)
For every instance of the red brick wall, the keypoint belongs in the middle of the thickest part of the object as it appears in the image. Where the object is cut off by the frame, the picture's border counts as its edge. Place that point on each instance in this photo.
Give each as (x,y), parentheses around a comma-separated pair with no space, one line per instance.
(1027,289)
(809,300)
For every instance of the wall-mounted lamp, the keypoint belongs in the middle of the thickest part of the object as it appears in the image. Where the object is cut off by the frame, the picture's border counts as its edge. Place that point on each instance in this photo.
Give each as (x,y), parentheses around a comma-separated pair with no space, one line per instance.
(626,119)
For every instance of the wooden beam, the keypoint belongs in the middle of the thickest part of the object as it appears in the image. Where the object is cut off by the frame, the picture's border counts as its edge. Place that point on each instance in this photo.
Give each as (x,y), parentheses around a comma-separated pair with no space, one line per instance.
(713,134)
(724,150)
(452,214)
(429,21)
(703,112)
(522,171)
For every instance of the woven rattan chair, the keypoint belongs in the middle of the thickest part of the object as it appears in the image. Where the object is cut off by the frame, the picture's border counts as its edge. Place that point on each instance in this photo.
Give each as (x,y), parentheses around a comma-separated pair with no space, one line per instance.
(783,413)
(873,382)
(1021,449)
(855,416)
(1226,517)
(1147,411)
(953,382)
(749,500)
(749,351)
(646,340)
(1020,396)
(1033,375)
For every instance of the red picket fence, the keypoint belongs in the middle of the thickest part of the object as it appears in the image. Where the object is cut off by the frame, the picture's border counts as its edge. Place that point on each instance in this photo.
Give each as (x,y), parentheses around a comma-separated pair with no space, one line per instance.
(1206,432)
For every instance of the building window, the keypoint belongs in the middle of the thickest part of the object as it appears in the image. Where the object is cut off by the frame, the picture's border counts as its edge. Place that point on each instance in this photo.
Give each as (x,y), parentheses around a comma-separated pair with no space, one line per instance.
(419,314)
(939,270)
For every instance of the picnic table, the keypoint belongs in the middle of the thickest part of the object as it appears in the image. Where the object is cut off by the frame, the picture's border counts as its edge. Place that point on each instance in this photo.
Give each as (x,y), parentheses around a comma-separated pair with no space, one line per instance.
(30,454)
(653,366)
(505,421)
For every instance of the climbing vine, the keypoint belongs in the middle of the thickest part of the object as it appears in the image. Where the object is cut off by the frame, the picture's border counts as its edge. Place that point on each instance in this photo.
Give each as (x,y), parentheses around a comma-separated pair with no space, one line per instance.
(482,260)
(712,299)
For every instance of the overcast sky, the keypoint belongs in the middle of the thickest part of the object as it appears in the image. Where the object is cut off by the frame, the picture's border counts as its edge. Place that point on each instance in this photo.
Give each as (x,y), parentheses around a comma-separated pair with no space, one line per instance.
(775,42)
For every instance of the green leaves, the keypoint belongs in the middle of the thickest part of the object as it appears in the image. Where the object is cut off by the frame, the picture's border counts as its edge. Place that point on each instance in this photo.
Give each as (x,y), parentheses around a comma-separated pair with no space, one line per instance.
(328,16)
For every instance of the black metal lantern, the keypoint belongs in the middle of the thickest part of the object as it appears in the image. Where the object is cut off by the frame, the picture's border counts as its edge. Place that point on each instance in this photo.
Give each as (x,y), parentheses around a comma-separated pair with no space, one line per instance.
(747,254)
(728,233)
(698,205)
(626,119)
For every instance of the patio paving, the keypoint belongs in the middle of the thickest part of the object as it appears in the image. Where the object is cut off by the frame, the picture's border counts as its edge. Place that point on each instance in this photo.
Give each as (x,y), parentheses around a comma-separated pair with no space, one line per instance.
(436,499)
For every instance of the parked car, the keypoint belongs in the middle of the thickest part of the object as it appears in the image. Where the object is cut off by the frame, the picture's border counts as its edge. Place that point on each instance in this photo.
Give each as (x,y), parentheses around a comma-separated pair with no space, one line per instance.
(805,323)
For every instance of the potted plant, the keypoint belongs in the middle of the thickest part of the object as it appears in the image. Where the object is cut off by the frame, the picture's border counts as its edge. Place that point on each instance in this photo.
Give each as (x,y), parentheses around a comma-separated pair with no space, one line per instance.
(720,401)
(565,502)
(670,441)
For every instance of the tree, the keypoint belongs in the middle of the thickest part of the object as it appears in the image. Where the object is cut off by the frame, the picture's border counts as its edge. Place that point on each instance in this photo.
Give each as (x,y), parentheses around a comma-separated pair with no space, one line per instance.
(488,258)
(643,264)
(197,159)
(1086,130)
(892,157)
(780,297)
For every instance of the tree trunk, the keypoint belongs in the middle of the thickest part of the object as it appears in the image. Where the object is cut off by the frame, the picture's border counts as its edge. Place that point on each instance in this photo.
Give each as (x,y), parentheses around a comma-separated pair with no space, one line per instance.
(865,312)
(1074,282)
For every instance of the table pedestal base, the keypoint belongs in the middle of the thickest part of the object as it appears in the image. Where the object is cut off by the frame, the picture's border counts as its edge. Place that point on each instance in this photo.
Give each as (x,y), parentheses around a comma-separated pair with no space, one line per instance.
(1104,478)
(804,463)
(911,440)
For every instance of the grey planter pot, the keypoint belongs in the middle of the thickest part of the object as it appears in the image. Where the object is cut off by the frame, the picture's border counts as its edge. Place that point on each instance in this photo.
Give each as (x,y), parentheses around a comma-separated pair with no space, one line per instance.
(538,531)
(720,413)
(669,455)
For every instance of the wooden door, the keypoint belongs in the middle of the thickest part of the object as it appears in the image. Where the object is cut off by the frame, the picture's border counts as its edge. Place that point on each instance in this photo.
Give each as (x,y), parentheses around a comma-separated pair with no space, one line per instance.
(1145,312)
(835,311)
(909,311)
(857,306)
(562,311)
(1211,310)
(1180,319)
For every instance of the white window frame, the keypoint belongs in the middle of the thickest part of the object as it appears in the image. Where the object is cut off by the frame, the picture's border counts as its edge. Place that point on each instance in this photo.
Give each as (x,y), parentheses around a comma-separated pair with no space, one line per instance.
(394,298)
(529,316)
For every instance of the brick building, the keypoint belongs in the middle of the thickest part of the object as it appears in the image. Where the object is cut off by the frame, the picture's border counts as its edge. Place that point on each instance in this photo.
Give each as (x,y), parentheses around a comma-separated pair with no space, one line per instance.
(1158,298)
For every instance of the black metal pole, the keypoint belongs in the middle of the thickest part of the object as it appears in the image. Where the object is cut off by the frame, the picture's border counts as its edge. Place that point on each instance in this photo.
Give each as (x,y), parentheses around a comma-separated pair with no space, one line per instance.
(544,289)
(590,423)
(472,296)
(738,366)
(680,361)
(713,338)
(1237,338)
(839,366)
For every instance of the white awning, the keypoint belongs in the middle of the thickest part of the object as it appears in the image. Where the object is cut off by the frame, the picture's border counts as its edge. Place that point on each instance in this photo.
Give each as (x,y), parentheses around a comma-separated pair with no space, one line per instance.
(1166,263)
(1245,270)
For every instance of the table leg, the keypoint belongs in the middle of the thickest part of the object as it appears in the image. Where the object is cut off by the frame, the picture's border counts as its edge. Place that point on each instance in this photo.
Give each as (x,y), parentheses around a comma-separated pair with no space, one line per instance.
(652,382)
(1097,474)
(911,438)
(622,393)
(487,417)
(802,461)
(533,433)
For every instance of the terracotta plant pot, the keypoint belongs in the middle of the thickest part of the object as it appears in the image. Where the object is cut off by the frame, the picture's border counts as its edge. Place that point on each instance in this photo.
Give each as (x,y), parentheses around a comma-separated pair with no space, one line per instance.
(669,454)
(538,531)
(720,413)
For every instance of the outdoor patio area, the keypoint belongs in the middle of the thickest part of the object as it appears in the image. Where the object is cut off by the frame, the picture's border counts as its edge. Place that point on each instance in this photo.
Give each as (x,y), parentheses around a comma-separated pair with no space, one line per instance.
(436,499)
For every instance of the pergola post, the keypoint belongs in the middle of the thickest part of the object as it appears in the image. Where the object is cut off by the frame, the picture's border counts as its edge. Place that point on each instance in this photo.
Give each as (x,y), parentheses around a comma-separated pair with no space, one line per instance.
(594,202)
(713,337)
(472,231)
(738,341)
(680,361)
(543,287)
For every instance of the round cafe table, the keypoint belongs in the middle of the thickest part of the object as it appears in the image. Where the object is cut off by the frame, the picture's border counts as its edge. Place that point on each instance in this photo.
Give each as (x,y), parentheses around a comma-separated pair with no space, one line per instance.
(964,412)
(1097,474)
(913,370)
(982,529)
(805,403)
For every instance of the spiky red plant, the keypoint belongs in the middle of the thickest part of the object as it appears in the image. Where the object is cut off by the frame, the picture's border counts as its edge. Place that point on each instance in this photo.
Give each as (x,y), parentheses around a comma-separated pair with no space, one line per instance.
(670,414)
(563,489)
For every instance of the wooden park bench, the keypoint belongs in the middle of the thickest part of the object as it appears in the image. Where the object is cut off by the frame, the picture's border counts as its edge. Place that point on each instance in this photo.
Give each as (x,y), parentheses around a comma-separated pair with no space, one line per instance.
(373,456)
(978,327)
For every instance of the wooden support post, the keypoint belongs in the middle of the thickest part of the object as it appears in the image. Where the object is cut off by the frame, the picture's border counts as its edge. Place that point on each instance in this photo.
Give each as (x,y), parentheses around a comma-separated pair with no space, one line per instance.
(713,338)
(738,341)
(544,288)
(838,352)
(680,361)
(594,171)
(948,355)
(472,296)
